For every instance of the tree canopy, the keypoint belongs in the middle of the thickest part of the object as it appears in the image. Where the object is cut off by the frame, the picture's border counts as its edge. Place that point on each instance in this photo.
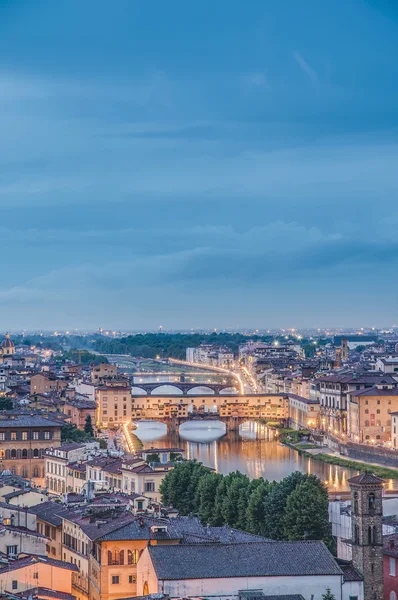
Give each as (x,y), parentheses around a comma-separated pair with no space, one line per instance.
(296,508)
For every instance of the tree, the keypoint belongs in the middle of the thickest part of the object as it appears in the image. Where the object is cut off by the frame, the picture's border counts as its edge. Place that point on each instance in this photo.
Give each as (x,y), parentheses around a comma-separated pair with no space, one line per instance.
(275,502)
(179,486)
(6,404)
(328,595)
(88,426)
(255,512)
(306,513)
(206,496)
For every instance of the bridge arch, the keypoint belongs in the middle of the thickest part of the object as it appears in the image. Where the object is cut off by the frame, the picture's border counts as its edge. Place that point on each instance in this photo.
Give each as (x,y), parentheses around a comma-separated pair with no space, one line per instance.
(233,390)
(198,387)
(137,390)
(165,392)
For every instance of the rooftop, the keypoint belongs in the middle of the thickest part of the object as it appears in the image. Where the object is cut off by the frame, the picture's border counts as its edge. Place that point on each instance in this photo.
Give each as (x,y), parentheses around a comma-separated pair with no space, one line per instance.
(366,479)
(256,559)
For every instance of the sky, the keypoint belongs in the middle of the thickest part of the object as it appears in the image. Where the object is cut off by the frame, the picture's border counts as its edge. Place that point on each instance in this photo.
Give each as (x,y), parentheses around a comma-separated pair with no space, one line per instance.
(198,164)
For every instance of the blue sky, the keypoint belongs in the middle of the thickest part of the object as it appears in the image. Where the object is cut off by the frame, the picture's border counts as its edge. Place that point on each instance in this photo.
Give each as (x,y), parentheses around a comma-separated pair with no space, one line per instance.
(198,164)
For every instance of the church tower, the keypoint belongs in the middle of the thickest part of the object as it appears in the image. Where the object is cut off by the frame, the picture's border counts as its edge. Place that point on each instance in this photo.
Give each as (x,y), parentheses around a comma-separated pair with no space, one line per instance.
(367,532)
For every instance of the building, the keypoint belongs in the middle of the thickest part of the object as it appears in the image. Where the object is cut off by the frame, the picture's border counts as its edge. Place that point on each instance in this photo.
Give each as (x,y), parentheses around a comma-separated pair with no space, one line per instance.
(303,412)
(367,532)
(387,364)
(49,524)
(16,540)
(103,371)
(23,442)
(40,383)
(57,461)
(79,409)
(394,429)
(222,570)
(390,552)
(369,413)
(113,406)
(7,348)
(32,572)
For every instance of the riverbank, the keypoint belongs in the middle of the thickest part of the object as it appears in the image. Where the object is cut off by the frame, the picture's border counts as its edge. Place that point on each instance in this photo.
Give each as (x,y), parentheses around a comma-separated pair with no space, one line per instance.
(333,459)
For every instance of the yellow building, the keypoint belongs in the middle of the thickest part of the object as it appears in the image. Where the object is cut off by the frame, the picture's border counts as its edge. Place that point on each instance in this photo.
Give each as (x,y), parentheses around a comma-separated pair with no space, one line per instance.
(369,414)
(303,412)
(113,406)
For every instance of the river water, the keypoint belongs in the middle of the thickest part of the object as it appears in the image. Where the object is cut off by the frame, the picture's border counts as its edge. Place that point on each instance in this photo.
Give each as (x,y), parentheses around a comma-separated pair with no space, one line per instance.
(253,451)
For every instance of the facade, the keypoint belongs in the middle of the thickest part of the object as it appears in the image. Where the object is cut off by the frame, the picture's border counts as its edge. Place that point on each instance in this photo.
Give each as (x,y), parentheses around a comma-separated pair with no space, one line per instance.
(394,430)
(40,384)
(16,540)
(367,532)
(23,442)
(303,412)
(78,410)
(49,524)
(113,406)
(30,573)
(369,414)
(103,371)
(57,461)
(390,550)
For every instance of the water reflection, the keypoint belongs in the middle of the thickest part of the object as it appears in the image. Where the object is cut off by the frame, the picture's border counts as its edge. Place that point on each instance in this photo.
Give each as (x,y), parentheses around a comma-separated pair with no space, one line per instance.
(253,450)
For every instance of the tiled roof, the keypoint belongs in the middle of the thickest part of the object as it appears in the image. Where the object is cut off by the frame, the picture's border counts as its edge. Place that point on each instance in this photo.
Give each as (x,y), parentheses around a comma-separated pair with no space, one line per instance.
(257,559)
(349,571)
(42,592)
(33,560)
(366,479)
(48,512)
(26,421)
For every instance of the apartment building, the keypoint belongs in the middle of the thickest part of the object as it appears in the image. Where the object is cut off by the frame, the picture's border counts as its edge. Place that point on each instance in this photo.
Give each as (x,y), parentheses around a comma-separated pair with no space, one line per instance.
(113,406)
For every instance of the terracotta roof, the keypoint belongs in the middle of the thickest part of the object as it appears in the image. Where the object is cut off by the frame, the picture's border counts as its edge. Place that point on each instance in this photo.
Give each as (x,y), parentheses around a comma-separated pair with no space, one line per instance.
(33,560)
(366,479)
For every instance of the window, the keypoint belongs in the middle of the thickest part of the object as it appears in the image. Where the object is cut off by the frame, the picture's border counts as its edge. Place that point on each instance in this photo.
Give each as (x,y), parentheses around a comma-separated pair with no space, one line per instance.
(378,411)
(36,575)
(378,402)
(132,579)
(366,423)
(393,595)
(24,435)
(35,453)
(2,436)
(35,435)
(115,579)
(371,502)
(149,486)
(366,411)
(116,557)
(14,584)
(35,472)
(46,435)
(132,557)
(393,567)
(13,435)
(355,503)
(12,550)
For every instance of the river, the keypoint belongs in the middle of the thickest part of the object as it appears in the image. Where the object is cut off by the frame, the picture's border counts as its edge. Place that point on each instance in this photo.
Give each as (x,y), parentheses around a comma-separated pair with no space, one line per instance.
(253,451)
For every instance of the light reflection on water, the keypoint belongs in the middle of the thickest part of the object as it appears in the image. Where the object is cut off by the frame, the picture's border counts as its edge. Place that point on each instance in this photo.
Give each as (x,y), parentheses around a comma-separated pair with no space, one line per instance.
(253,450)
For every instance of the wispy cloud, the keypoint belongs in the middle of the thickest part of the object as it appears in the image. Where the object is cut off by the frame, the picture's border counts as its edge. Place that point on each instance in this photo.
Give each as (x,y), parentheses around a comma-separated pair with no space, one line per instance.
(257,80)
(305,67)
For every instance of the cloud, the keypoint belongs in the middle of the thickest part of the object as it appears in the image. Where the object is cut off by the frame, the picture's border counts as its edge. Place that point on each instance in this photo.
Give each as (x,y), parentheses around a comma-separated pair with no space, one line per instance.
(305,67)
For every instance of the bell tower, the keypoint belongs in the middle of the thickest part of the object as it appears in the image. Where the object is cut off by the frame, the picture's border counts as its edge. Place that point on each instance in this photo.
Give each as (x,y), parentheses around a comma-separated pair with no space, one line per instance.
(367,532)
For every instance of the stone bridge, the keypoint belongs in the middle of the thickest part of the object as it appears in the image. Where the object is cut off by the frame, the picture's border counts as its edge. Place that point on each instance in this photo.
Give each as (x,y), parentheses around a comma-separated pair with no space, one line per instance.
(186,387)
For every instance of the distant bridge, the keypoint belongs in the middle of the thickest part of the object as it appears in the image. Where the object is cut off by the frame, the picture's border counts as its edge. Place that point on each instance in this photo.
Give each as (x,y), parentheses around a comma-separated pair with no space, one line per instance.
(186,387)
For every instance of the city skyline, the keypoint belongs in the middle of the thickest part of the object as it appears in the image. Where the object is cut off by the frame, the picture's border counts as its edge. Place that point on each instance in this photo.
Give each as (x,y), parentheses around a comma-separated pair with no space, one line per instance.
(198,165)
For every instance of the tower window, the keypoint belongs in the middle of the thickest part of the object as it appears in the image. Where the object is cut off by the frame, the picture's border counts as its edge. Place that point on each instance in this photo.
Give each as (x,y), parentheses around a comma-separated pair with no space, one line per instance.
(355,503)
(371,502)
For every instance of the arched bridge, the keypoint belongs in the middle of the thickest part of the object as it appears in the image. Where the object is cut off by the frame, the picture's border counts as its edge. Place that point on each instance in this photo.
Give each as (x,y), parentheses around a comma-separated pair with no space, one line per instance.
(186,387)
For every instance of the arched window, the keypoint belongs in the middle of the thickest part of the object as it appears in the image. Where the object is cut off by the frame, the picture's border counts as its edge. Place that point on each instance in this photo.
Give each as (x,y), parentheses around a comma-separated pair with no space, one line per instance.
(355,503)
(115,557)
(13,471)
(24,472)
(356,534)
(393,595)
(377,437)
(367,437)
(132,557)
(24,453)
(35,453)
(13,453)
(371,502)
(145,590)
(371,540)
(35,472)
